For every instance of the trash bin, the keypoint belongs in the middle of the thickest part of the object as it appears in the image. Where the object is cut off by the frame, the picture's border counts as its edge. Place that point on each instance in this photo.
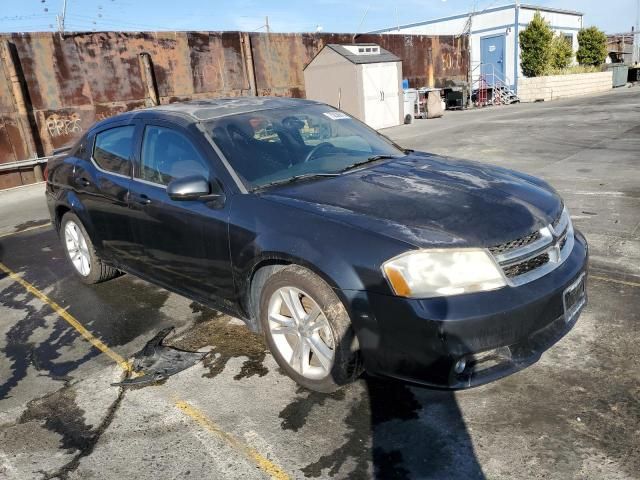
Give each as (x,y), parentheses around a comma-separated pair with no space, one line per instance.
(620,73)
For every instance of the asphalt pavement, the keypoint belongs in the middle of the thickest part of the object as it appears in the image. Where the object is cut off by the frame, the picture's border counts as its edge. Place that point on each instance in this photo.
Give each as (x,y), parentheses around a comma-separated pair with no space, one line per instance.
(574,414)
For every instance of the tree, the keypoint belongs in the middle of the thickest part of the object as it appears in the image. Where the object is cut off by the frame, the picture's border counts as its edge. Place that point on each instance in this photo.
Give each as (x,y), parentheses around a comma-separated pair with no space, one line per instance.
(535,47)
(561,52)
(592,48)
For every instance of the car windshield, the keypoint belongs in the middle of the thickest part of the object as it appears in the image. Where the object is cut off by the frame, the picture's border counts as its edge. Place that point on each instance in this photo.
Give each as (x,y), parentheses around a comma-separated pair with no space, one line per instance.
(274,146)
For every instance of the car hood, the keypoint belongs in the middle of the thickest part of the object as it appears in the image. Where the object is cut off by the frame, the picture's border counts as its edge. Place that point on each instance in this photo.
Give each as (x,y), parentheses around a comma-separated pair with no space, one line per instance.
(430,201)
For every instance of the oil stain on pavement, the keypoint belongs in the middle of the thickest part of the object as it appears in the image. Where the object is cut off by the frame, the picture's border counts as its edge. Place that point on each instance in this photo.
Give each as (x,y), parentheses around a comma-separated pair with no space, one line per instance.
(228,339)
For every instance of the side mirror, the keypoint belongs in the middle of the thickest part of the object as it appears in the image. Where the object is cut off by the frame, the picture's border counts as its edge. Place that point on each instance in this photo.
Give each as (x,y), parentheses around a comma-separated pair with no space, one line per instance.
(188,188)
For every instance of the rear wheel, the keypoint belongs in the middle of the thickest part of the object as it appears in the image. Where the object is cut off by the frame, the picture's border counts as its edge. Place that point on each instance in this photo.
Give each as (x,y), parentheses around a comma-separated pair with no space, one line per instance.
(308,330)
(80,252)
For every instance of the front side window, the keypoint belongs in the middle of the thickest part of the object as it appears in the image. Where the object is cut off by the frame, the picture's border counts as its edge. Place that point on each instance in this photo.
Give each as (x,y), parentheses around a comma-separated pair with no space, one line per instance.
(113,149)
(168,154)
(273,145)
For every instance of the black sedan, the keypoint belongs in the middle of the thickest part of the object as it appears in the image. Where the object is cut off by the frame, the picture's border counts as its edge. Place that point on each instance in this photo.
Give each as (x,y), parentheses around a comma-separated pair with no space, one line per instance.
(347,252)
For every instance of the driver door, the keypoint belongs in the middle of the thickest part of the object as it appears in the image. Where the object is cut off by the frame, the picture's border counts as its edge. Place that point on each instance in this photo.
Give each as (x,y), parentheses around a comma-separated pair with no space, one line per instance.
(184,243)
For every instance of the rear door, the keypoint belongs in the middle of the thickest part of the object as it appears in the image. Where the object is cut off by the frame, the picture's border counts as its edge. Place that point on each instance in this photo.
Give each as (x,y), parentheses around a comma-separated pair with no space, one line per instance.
(185,243)
(101,180)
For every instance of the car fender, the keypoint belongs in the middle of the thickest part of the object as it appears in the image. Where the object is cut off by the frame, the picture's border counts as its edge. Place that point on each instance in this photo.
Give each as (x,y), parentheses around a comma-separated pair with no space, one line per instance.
(348,258)
(71,201)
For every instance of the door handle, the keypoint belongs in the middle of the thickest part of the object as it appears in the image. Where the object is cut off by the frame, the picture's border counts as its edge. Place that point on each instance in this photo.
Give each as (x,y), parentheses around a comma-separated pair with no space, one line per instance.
(83,181)
(142,199)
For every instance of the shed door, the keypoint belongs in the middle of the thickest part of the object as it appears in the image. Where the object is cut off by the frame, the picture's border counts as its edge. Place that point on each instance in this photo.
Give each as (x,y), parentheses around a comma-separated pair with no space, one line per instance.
(492,57)
(381,94)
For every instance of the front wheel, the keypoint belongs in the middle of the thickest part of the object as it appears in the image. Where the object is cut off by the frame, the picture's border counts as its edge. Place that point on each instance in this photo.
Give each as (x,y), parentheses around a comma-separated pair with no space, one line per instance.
(80,252)
(308,330)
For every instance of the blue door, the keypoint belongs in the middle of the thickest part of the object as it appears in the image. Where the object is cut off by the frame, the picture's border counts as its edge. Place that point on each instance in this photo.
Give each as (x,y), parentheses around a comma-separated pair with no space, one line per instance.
(492,57)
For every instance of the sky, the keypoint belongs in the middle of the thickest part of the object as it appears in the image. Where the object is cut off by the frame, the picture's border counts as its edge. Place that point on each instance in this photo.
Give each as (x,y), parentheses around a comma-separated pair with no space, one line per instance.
(284,15)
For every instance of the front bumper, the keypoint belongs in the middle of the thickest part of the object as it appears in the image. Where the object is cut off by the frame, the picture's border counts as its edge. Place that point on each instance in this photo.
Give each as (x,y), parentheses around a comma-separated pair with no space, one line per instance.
(496,333)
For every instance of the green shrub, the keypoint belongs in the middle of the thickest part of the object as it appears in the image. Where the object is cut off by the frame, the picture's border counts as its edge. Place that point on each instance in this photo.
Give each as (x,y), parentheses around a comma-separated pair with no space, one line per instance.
(592,48)
(535,47)
(574,70)
(561,52)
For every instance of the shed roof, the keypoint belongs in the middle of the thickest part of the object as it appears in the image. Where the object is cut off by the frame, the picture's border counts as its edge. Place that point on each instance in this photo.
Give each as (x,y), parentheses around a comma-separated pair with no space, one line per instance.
(383,56)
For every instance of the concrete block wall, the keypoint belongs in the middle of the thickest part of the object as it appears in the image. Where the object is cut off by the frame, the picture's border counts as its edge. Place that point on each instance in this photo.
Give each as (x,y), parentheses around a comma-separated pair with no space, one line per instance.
(554,87)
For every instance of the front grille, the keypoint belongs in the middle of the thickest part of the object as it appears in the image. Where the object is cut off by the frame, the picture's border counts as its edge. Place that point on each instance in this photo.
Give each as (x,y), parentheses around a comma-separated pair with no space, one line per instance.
(532,256)
(513,244)
(527,266)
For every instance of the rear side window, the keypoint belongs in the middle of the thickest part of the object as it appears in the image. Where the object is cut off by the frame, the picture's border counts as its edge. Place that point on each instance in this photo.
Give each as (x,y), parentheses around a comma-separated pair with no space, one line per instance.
(113,149)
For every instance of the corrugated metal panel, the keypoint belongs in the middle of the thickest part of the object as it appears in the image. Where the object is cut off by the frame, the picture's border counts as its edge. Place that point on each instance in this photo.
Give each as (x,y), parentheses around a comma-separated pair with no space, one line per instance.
(71,81)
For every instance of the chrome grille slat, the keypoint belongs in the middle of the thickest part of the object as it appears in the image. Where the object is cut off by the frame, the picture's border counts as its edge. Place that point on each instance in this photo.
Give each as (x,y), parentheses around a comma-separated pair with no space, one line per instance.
(514,244)
(536,254)
(544,239)
(525,256)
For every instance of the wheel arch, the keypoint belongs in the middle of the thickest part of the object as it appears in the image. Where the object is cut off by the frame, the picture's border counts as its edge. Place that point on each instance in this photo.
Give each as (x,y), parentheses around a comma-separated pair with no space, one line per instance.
(265,266)
(71,203)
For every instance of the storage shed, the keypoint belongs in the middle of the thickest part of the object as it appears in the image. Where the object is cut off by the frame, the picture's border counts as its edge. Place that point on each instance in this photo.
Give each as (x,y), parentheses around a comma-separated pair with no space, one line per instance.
(361,79)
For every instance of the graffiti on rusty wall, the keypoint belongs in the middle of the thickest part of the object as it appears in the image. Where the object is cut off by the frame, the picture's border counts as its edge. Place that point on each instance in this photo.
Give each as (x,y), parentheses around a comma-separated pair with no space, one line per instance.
(71,81)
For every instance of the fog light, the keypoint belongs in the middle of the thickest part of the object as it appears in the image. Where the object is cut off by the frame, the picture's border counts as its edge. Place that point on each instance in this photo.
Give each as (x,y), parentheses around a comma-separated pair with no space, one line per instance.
(460,366)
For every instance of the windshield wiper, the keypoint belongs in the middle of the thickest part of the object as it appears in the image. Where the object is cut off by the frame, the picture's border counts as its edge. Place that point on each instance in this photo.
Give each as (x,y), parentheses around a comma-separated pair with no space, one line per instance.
(295,178)
(368,160)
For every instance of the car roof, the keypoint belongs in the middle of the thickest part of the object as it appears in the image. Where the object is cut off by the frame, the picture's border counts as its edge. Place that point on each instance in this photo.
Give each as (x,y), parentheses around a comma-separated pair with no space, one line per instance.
(221,107)
(210,109)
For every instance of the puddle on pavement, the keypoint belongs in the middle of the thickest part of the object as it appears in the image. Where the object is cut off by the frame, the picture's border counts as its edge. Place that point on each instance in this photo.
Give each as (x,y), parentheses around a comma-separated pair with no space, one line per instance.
(30,224)
(59,412)
(294,416)
(228,339)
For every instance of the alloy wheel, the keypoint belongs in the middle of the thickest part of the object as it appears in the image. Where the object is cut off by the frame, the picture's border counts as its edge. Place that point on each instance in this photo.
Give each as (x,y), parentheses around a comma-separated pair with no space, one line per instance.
(301,332)
(77,248)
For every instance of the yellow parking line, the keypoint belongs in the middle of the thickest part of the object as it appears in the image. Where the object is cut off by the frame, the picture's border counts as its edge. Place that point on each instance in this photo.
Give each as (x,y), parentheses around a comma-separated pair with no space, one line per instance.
(92,339)
(270,468)
(9,234)
(613,280)
(265,464)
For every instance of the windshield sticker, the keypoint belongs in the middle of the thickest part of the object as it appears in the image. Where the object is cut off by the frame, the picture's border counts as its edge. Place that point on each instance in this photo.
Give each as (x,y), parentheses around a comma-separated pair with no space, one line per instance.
(336,115)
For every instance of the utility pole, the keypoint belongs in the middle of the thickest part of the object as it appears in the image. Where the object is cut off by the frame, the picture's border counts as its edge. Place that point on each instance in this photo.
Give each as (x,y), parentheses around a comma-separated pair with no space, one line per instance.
(61,16)
(353,39)
(636,36)
(266,19)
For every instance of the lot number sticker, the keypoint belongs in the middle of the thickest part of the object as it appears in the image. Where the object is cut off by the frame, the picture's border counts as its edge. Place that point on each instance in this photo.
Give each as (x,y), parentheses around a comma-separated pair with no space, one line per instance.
(336,115)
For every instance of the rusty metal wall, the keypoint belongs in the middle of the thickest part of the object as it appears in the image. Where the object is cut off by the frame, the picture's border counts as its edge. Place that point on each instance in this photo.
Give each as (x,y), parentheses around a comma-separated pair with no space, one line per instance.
(70,81)
(427,61)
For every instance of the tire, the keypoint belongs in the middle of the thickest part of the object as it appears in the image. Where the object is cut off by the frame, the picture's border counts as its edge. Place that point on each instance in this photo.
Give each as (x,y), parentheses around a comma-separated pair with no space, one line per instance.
(408,118)
(86,264)
(330,331)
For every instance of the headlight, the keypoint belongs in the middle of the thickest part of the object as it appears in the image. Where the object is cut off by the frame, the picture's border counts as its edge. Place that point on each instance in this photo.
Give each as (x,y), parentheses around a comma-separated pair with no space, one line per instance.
(436,273)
